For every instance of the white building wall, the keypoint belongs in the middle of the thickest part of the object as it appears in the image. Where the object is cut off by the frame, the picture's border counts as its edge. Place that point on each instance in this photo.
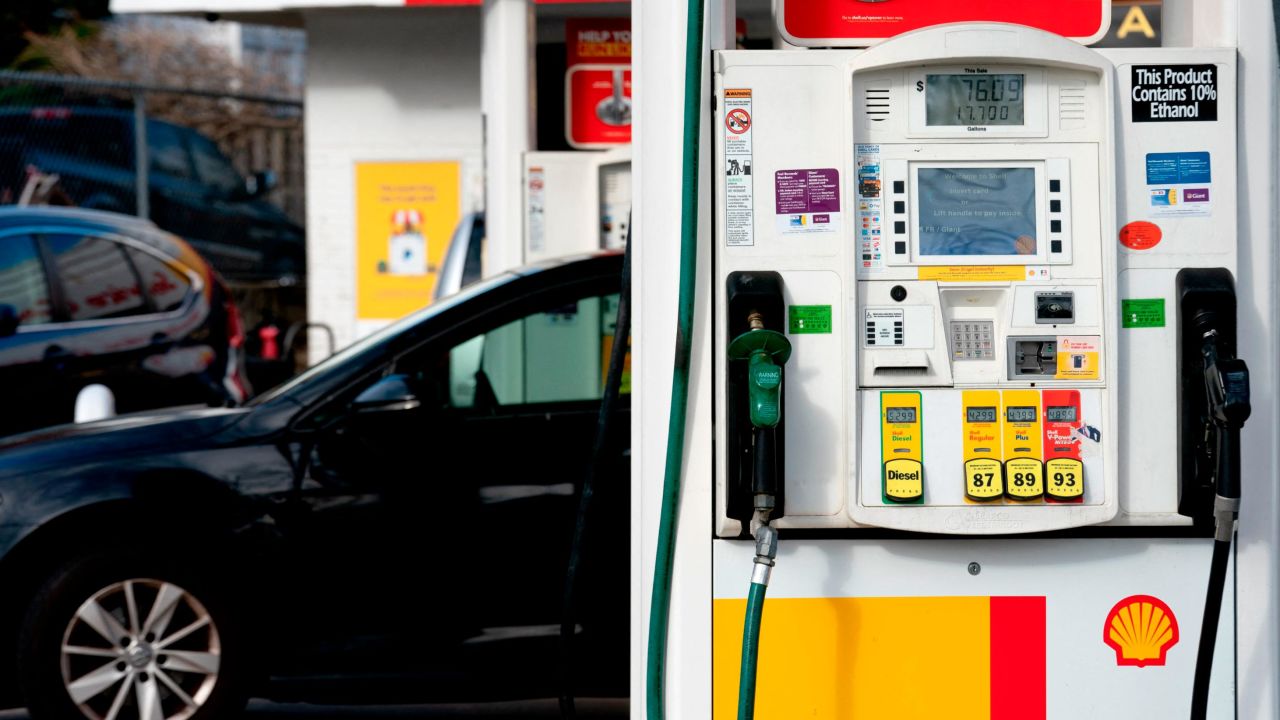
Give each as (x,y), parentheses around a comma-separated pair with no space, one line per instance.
(397,84)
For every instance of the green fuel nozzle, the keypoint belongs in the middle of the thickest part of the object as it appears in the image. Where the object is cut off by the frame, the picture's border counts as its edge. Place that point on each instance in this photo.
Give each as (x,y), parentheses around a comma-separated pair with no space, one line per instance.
(765,351)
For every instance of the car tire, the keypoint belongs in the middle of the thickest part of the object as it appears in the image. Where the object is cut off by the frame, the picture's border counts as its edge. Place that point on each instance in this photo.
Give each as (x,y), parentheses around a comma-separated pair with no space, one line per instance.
(159,668)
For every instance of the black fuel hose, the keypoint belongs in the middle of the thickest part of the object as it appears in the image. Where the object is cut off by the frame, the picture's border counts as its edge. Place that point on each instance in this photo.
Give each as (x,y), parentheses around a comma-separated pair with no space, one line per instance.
(599,449)
(1209,628)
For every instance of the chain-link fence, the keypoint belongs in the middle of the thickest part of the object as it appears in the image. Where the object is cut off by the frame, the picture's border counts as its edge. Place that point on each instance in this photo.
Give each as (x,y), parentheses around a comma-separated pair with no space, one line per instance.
(223,171)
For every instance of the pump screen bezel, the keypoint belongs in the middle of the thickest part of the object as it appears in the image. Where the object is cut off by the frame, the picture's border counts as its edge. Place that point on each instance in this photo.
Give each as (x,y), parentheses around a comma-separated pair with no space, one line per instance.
(1041,187)
(1035,103)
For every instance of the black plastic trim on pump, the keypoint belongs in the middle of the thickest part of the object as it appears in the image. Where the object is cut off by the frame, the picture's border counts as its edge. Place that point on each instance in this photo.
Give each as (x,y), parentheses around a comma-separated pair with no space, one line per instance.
(757,357)
(1213,401)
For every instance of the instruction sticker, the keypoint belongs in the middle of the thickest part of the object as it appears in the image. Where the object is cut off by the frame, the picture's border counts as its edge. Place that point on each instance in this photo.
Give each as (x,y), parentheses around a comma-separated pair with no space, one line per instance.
(1174,93)
(536,207)
(1078,357)
(1142,312)
(807,201)
(809,319)
(738,191)
(1179,184)
(870,243)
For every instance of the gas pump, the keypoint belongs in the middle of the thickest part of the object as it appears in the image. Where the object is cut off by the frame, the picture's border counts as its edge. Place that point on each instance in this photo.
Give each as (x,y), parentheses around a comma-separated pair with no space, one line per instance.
(1011,409)
(560,186)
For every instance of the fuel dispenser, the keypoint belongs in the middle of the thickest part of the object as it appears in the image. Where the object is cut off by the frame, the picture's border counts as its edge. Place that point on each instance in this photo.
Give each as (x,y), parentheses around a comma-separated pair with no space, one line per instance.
(965,286)
(559,186)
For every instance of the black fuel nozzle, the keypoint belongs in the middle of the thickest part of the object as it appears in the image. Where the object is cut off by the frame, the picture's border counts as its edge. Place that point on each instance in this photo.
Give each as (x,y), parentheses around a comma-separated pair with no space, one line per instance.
(1226,384)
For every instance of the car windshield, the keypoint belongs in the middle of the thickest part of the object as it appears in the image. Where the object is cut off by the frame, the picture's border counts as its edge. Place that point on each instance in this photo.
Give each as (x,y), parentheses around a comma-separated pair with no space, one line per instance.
(358,347)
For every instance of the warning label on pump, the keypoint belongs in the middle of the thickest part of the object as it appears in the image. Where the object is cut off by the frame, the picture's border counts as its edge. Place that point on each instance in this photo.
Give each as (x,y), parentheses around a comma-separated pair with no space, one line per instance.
(1174,93)
(738,193)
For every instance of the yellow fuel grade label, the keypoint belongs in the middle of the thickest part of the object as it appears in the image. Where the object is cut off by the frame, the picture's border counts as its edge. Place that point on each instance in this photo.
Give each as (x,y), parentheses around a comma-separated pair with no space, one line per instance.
(1023,444)
(902,446)
(1065,478)
(980,426)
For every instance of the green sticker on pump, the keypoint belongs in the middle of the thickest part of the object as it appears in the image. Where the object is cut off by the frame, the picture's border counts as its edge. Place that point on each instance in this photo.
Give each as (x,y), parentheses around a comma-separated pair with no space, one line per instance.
(809,319)
(1142,312)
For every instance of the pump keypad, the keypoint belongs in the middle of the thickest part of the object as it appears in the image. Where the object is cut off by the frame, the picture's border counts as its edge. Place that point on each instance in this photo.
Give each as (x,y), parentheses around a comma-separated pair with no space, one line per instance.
(973,340)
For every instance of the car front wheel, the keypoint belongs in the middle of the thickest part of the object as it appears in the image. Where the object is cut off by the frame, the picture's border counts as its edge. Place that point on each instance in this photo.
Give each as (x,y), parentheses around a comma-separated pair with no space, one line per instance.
(116,638)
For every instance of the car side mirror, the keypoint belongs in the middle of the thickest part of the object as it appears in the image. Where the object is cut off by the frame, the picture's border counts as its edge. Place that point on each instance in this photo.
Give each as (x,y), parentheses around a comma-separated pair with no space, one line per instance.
(259,183)
(390,394)
(8,321)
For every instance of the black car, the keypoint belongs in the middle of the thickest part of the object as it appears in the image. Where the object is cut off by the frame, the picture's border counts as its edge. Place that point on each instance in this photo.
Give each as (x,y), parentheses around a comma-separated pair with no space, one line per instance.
(195,191)
(390,526)
(95,298)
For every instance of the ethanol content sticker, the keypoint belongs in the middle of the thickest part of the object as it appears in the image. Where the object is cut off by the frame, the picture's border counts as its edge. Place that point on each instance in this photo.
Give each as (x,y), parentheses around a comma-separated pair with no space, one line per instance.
(1174,93)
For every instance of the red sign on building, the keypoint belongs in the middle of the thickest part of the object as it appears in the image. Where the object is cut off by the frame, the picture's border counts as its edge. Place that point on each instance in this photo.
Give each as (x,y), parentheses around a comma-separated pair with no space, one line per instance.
(830,23)
(598,83)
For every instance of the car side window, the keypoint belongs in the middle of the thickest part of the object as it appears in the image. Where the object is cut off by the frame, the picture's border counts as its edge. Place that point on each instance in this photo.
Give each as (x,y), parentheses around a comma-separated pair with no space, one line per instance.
(168,153)
(560,355)
(96,278)
(22,280)
(212,167)
(164,283)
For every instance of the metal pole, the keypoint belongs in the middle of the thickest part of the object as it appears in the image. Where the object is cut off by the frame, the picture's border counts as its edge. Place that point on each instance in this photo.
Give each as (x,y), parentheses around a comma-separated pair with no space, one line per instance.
(507,103)
(141,159)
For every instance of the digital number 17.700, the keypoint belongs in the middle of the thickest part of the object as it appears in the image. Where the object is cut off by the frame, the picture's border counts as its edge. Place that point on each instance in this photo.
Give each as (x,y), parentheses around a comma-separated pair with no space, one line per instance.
(978,114)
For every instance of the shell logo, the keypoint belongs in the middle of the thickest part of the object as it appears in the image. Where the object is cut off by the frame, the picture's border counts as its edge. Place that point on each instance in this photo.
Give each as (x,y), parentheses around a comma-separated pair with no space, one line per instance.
(1141,629)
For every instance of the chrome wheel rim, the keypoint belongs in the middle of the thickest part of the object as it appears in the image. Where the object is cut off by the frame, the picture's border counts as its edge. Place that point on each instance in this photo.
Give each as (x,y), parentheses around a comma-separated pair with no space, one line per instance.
(141,649)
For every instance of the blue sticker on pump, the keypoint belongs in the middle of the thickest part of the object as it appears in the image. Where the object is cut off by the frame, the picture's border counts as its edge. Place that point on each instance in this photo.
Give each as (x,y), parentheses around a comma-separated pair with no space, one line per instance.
(1178,168)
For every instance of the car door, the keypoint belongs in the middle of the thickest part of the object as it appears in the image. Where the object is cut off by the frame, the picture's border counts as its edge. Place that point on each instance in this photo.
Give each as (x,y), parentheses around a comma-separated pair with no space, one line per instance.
(27,380)
(121,328)
(449,517)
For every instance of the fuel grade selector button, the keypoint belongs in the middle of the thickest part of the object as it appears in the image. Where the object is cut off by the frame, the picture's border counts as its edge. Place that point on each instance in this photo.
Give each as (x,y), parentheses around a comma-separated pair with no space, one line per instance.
(980,423)
(902,446)
(1063,469)
(1023,467)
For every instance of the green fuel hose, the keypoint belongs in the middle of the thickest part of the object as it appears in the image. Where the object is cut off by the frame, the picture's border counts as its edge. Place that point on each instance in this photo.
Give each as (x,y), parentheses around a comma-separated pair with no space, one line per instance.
(750,652)
(660,601)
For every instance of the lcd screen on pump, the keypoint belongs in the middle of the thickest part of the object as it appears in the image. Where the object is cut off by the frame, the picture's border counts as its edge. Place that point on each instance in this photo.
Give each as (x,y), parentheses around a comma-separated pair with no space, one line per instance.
(973,100)
(977,211)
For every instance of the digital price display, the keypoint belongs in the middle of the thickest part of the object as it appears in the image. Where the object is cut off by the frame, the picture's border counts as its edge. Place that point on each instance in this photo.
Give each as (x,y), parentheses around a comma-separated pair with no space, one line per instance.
(1059,413)
(1020,414)
(974,99)
(900,414)
(980,414)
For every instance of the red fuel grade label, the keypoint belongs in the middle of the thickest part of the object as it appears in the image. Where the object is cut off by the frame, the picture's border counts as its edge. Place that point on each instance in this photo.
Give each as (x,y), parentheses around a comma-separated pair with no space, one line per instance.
(1063,469)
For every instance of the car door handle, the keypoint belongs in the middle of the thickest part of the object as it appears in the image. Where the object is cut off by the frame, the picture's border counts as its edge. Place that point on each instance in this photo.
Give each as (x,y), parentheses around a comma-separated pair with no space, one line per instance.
(56,352)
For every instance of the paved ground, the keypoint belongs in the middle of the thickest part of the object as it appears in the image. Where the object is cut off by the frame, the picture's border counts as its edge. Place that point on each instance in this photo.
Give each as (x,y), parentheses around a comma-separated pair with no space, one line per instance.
(587,710)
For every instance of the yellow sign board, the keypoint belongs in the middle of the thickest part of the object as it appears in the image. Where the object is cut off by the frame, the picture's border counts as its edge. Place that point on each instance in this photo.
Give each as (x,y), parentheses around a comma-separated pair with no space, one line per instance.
(975,273)
(405,215)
